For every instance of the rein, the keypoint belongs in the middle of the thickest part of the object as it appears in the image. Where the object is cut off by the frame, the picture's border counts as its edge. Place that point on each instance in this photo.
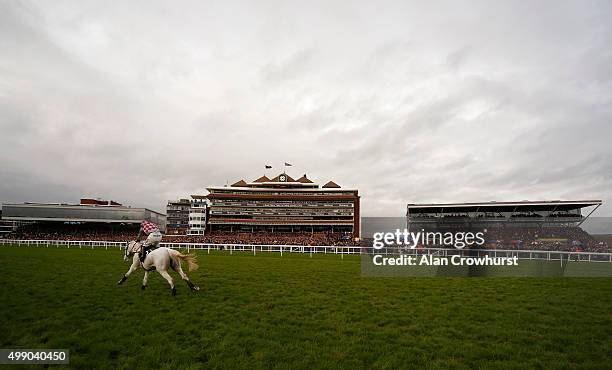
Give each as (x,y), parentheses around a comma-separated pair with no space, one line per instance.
(132,250)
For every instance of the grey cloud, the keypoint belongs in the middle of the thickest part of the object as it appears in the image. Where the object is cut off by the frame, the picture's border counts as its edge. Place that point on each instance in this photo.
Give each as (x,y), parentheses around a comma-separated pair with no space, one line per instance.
(408,101)
(458,57)
(290,68)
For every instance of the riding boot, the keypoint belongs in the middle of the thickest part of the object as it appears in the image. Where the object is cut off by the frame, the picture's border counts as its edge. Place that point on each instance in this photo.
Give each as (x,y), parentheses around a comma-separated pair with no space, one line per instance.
(145,250)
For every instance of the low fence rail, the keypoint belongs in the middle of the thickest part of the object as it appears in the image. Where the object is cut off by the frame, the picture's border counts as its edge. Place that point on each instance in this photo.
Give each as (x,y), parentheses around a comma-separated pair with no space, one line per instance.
(254,248)
(507,253)
(330,249)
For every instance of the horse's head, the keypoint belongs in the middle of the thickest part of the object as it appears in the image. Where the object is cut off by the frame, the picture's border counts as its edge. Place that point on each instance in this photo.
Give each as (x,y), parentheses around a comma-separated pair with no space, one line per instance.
(132,248)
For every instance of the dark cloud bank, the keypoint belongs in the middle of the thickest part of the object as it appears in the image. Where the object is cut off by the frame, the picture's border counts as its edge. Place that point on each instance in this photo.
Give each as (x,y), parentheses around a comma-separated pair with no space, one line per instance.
(409,102)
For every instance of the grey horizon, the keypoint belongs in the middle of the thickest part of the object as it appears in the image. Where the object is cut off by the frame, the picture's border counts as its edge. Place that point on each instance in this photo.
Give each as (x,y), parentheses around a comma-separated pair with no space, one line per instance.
(410,102)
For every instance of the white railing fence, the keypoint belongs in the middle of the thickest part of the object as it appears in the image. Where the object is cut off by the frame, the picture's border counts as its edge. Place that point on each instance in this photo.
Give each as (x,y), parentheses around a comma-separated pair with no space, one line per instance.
(231,248)
(328,249)
(508,253)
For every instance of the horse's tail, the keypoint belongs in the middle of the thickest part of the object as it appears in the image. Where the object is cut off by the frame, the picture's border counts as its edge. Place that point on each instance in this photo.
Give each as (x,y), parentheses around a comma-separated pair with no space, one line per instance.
(191,259)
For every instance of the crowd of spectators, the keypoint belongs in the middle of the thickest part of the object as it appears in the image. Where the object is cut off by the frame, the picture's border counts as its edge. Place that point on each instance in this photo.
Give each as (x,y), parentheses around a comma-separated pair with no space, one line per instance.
(262,238)
(570,239)
(121,234)
(74,232)
(567,239)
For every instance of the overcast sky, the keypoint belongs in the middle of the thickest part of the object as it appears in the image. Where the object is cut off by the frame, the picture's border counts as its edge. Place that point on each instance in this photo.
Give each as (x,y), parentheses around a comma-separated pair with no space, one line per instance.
(145,101)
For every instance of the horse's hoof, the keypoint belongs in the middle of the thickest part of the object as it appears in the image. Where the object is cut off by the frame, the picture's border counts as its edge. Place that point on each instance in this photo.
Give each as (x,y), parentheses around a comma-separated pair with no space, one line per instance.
(173,291)
(143,287)
(196,288)
(122,280)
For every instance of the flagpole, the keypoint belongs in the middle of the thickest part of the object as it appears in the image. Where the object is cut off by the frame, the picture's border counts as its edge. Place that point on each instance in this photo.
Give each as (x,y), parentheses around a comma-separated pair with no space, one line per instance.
(267,167)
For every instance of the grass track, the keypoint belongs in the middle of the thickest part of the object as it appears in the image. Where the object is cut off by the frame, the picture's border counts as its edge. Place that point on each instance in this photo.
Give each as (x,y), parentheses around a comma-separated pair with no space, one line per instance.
(284,312)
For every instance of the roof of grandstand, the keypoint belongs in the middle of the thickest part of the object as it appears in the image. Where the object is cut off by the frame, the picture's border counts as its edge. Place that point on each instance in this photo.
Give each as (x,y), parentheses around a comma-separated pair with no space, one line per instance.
(282,180)
(80,213)
(283,177)
(331,184)
(264,178)
(304,180)
(493,206)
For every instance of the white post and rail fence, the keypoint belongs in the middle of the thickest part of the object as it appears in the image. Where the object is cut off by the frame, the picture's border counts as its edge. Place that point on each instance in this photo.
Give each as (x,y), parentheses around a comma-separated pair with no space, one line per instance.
(326,249)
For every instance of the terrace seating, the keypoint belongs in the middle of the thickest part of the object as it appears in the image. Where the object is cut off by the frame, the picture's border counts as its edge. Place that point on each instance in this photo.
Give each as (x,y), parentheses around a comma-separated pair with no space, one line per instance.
(276,238)
(101,233)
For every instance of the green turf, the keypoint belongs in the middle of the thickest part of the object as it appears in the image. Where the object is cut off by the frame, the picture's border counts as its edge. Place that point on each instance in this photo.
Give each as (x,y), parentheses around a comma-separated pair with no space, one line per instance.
(295,312)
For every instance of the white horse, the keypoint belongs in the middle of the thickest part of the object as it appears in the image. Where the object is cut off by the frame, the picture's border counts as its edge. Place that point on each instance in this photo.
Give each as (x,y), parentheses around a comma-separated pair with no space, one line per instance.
(159,259)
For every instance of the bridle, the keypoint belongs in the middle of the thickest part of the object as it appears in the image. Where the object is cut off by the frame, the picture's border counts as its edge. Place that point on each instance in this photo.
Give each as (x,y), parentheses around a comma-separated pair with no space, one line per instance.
(130,251)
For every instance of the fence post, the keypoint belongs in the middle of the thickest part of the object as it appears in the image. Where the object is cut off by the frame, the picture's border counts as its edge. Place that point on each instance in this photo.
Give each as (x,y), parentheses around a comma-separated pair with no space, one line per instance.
(342,250)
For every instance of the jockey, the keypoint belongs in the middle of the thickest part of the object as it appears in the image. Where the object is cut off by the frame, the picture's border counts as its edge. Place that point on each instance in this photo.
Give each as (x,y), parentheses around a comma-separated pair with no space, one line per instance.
(153,238)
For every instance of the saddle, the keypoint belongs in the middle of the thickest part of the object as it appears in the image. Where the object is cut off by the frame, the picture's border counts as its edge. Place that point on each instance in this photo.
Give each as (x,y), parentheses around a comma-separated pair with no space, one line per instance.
(145,252)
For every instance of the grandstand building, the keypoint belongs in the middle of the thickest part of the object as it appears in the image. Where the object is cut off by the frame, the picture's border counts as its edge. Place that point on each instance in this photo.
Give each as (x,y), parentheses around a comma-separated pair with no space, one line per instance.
(524,213)
(7,226)
(92,212)
(285,205)
(177,217)
(510,223)
(197,215)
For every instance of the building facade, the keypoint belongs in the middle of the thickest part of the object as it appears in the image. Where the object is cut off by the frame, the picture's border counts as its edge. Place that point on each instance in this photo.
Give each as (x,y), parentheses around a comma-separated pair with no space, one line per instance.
(536,225)
(197,215)
(284,204)
(80,213)
(177,217)
(548,213)
(7,226)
